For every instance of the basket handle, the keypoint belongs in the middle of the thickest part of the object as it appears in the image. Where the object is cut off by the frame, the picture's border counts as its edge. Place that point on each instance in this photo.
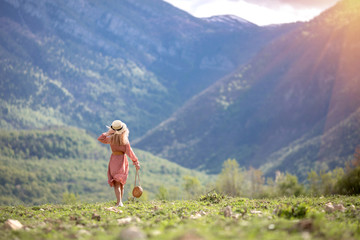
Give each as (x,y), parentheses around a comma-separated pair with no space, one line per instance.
(138,176)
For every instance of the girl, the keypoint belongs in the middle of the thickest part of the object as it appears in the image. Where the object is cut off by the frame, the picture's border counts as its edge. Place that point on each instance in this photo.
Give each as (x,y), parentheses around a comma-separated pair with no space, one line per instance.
(118,138)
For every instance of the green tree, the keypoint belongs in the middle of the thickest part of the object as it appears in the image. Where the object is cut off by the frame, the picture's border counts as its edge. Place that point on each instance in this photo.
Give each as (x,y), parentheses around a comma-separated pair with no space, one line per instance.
(330,179)
(192,186)
(69,198)
(257,181)
(288,185)
(324,183)
(350,183)
(231,179)
(162,193)
(174,193)
(314,183)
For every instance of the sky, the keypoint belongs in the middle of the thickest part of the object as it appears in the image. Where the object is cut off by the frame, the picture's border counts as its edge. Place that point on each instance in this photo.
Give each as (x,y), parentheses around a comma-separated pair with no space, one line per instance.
(260,12)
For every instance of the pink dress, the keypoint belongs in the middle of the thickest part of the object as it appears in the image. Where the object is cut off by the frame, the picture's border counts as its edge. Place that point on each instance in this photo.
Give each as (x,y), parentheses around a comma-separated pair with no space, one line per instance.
(118,168)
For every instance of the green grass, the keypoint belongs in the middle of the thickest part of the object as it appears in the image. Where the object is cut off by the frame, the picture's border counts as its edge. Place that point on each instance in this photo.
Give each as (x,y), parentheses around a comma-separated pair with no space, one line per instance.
(173,219)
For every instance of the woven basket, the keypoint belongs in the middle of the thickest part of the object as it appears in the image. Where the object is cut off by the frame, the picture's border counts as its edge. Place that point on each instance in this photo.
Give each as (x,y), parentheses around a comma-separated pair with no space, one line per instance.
(137,191)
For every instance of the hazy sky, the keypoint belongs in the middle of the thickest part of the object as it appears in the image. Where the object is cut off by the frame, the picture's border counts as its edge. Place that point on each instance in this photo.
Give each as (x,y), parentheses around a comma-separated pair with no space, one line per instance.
(261,12)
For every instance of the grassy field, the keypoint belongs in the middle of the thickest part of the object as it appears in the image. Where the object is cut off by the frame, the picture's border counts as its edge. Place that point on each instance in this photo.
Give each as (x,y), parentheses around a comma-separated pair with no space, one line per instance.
(212,216)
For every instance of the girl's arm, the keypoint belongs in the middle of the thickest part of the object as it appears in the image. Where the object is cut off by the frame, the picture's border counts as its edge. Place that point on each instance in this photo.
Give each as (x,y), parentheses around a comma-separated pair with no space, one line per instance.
(103,138)
(132,156)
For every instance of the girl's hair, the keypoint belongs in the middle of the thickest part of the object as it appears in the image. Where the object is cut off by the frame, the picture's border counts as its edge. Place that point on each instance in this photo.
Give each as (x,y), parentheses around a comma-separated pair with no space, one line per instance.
(120,139)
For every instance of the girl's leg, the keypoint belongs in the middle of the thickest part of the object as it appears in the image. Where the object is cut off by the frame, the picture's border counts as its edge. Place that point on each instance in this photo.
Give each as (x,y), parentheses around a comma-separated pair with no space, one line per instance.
(122,191)
(117,190)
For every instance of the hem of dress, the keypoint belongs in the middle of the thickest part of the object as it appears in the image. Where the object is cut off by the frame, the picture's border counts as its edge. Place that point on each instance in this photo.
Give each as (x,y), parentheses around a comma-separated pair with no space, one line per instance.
(117,179)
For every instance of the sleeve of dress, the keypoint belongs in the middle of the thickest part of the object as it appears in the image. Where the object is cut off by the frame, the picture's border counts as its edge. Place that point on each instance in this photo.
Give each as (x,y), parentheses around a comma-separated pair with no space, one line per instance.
(104,139)
(131,155)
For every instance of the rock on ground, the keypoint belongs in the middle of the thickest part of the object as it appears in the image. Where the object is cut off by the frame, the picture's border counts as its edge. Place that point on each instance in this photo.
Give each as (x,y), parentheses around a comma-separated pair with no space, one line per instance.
(13,224)
(132,233)
(329,207)
(128,220)
(114,209)
(227,211)
(190,236)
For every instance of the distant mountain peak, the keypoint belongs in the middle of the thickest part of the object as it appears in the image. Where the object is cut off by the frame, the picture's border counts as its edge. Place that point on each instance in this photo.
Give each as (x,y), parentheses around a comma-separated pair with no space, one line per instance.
(230,20)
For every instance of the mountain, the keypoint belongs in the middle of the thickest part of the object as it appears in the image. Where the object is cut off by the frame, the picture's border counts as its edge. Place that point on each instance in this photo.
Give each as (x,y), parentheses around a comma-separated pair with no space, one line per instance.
(293,107)
(86,63)
(229,21)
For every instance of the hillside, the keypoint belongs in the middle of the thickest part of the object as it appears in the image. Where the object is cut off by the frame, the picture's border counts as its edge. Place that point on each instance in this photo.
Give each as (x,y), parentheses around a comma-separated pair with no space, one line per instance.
(293,107)
(39,166)
(86,63)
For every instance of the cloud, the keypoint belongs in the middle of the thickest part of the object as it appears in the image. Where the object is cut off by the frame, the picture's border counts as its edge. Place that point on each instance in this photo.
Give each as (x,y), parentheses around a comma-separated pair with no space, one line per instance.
(261,12)
(303,4)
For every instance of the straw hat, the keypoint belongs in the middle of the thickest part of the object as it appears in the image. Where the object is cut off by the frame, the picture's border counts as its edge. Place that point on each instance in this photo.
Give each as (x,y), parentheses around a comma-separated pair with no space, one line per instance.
(118,126)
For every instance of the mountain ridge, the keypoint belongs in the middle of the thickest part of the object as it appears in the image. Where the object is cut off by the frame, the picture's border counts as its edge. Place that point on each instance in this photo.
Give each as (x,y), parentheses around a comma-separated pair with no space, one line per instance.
(302,83)
(91,62)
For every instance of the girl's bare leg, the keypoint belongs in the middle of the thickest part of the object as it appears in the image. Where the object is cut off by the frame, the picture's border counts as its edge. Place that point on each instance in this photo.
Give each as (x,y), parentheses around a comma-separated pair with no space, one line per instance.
(122,191)
(118,193)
